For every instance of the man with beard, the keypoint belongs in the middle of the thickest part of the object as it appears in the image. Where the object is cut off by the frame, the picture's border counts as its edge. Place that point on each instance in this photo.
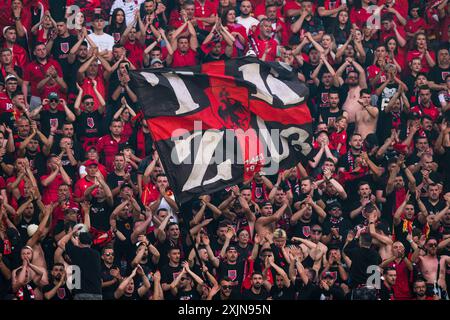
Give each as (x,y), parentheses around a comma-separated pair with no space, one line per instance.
(405,220)
(263,45)
(267,222)
(120,175)
(111,276)
(334,111)
(428,265)
(335,226)
(278,197)
(232,267)
(359,212)
(420,290)
(246,19)
(303,220)
(386,291)
(224,291)
(57,289)
(183,287)
(39,70)
(439,72)
(351,88)
(257,290)
(327,289)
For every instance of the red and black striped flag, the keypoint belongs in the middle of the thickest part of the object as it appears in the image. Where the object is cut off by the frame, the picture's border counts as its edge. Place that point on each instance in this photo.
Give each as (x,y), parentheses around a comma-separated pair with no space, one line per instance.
(216,124)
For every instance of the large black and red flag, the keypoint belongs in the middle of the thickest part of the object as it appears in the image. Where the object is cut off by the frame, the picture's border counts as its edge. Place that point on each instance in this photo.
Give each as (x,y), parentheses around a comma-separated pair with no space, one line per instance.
(216,124)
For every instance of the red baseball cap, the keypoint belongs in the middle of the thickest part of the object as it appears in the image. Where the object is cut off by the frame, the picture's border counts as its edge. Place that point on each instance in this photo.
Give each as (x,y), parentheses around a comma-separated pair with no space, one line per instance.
(91,163)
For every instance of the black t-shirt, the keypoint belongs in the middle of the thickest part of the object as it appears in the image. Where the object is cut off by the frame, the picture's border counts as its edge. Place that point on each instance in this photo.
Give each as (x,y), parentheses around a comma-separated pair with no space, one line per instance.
(115,181)
(17,70)
(361,259)
(282,293)
(233,271)
(168,275)
(89,125)
(329,117)
(63,293)
(303,229)
(250,295)
(108,292)
(48,118)
(437,74)
(188,295)
(134,296)
(100,213)
(386,293)
(60,51)
(90,267)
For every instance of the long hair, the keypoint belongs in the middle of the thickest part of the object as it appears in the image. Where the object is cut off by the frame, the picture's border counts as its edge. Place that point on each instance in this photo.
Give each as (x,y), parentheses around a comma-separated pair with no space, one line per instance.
(396,44)
(114,26)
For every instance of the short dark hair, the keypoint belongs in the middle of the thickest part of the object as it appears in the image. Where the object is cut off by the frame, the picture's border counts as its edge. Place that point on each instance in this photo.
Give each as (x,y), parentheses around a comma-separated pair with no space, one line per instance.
(387,269)
(85,238)
(366,239)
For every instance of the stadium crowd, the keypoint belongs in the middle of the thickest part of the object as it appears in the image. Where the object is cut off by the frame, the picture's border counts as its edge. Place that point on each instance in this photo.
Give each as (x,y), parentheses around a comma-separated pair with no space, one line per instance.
(82,185)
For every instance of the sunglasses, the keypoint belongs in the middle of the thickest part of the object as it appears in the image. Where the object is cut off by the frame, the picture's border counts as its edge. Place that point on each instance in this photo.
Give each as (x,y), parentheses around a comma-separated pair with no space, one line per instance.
(53,100)
(432,244)
(227,287)
(182,279)
(109,254)
(317,231)
(89,103)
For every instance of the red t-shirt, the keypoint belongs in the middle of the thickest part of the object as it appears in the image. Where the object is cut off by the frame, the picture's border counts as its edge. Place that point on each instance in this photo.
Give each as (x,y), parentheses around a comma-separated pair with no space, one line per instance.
(5,103)
(339,137)
(108,147)
(401,287)
(88,87)
(184,59)
(21,187)
(413,26)
(416,54)
(261,46)
(431,111)
(81,186)
(50,193)
(20,56)
(135,53)
(359,17)
(36,72)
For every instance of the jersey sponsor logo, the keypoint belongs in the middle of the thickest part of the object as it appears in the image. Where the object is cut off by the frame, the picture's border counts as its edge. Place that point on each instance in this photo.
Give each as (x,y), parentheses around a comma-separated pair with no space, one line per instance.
(258,192)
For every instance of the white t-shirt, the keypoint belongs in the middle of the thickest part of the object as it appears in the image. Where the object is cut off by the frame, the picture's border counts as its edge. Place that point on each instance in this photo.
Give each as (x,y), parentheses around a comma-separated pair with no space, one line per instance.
(103,42)
(247,22)
(128,7)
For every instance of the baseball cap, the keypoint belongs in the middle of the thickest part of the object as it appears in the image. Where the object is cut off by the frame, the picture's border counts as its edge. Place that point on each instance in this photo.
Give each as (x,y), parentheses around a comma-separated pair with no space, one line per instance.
(7,28)
(125,185)
(156,60)
(334,204)
(91,163)
(125,145)
(327,274)
(231,248)
(53,96)
(10,77)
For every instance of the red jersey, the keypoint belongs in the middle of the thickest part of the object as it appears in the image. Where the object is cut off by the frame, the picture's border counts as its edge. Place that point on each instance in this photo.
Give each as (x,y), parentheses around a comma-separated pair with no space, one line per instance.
(184,59)
(431,111)
(50,193)
(88,87)
(5,102)
(81,186)
(135,53)
(20,55)
(20,187)
(108,147)
(35,72)
(359,16)
(401,287)
(261,47)
(416,54)
(149,193)
(337,138)
(413,26)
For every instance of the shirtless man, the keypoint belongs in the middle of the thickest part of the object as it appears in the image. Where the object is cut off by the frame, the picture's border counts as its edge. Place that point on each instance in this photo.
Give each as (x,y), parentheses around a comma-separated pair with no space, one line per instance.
(37,236)
(267,222)
(28,277)
(379,238)
(355,81)
(366,118)
(428,264)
